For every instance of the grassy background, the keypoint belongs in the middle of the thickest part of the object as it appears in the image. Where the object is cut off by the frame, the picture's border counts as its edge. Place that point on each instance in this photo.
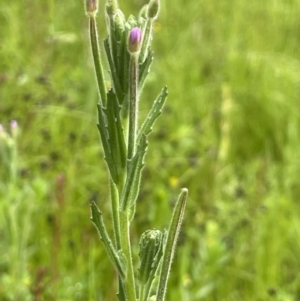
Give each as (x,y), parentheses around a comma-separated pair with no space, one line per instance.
(230,133)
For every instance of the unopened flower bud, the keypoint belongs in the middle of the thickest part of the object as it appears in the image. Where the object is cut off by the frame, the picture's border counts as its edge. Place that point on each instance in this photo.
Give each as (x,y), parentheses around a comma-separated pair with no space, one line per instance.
(119,20)
(151,251)
(91,7)
(111,7)
(153,9)
(134,40)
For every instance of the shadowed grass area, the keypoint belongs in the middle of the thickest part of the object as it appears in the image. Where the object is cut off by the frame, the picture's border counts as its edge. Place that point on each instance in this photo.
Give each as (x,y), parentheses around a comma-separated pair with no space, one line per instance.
(230,133)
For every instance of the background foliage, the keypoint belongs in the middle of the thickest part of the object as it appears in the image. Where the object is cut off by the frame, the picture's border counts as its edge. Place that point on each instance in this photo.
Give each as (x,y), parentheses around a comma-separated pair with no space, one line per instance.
(230,133)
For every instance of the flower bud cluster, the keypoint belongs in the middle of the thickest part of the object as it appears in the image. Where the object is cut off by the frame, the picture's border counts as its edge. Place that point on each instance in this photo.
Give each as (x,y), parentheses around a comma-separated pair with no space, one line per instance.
(151,251)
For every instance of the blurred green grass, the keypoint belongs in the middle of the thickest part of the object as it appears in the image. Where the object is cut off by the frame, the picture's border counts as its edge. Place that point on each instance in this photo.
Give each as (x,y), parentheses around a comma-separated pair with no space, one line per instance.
(229,132)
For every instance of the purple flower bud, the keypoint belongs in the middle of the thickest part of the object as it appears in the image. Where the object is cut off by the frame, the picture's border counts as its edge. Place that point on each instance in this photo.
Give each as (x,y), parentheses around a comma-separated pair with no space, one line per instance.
(91,7)
(135,39)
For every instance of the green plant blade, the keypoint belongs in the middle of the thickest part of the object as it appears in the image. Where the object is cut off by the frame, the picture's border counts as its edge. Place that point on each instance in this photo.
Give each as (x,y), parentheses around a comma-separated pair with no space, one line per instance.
(115,257)
(121,294)
(124,61)
(113,73)
(117,35)
(97,60)
(146,25)
(172,237)
(134,173)
(154,113)
(144,70)
(115,129)
(102,127)
(111,132)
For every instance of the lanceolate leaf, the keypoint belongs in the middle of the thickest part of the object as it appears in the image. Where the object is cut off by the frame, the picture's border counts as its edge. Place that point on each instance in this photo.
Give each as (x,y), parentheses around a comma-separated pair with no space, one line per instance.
(118,59)
(145,69)
(124,62)
(172,237)
(134,173)
(121,294)
(118,261)
(112,137)
(114,73)
(102,127)
(155,111)
(115,129)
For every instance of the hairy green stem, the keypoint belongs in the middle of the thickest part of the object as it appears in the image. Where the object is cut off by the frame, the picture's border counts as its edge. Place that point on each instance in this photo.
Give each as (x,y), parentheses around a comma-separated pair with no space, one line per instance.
(126,248)
(133,105)
(142,293)
(115,213)
(97,60)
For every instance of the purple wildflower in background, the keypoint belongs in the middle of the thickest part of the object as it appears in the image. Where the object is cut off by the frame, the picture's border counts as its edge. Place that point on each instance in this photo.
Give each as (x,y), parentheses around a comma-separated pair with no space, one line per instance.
(13,124)
(135,39)
(14,128)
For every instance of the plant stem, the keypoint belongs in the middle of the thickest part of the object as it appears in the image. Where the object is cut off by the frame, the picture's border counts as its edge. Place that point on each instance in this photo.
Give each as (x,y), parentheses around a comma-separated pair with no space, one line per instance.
(97,60)
(115,213)
(133,105)
(126,248)
(142,292)
(116,225)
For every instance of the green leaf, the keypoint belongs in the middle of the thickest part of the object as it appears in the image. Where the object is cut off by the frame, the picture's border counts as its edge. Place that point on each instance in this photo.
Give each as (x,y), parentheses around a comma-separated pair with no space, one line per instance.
(173,233)
(121,294)
(116,259)
(144,70)
(154,113)
(134,174)
(102,127)
(117,26)
(113,73)
(147,40)
(111,132)
(124,62)
(115,131)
